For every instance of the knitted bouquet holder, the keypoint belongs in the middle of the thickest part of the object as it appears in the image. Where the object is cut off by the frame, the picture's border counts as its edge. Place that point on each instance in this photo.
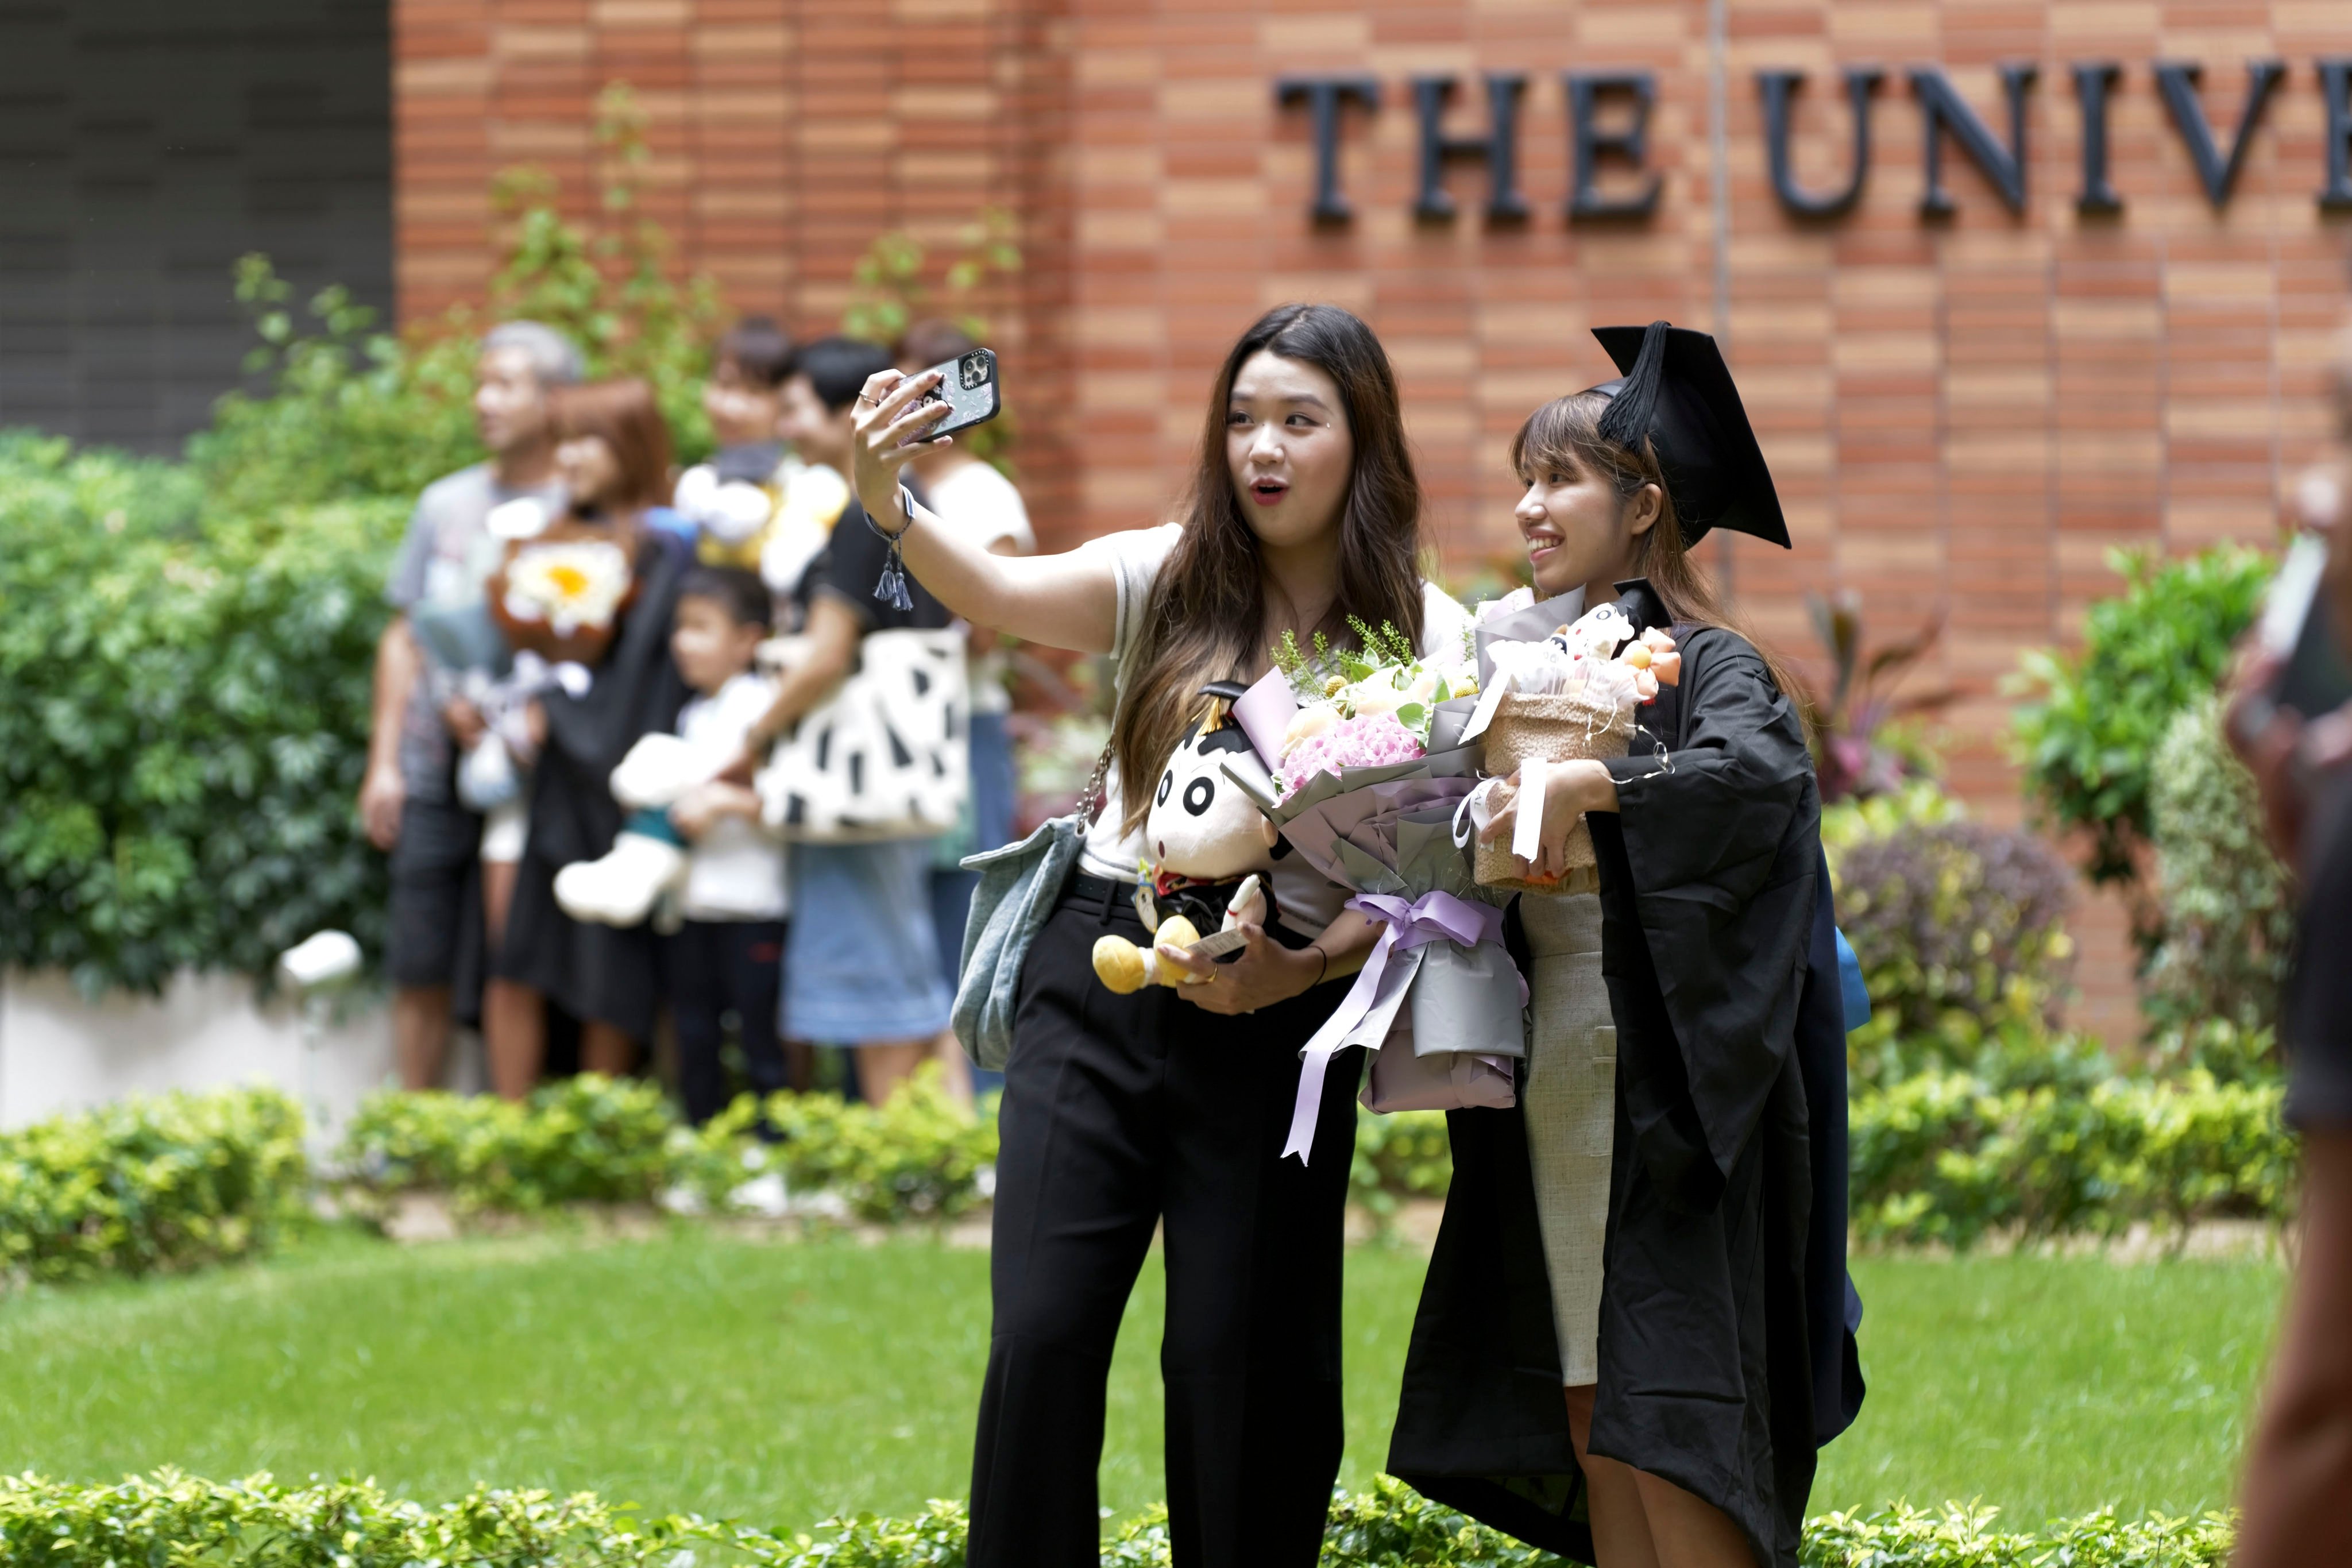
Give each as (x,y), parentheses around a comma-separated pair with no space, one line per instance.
(1552,729)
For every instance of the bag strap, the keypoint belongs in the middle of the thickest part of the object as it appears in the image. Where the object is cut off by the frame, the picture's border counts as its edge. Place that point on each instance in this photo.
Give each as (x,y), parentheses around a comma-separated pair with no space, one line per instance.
(1089,803)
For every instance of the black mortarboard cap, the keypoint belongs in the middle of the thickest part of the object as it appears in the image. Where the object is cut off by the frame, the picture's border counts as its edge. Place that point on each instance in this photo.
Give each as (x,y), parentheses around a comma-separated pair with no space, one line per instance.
(1677,391)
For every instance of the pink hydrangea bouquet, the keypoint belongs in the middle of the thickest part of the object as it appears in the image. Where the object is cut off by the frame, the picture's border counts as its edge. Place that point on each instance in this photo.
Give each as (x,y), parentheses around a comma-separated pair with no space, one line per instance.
(1365,708)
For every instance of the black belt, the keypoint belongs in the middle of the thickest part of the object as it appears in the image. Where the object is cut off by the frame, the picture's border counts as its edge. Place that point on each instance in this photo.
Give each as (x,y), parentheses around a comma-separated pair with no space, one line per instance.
(1092,892)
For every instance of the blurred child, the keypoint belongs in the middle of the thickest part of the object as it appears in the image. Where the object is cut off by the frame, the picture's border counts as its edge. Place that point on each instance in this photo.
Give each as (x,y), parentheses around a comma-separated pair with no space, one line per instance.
(756,504)
(726,954)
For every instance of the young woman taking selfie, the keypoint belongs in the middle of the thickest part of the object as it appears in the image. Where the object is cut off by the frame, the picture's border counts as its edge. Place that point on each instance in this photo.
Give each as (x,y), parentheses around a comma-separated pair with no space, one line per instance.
(1640,1222)
(1168,1108)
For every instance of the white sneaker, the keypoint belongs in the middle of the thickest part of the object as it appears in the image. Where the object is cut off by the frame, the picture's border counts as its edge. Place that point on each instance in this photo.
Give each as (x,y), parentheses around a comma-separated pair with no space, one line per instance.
(621,888)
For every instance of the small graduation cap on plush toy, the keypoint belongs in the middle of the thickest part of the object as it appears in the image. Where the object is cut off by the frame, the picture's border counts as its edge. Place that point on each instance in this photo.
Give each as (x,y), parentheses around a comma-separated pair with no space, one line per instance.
(1202,832)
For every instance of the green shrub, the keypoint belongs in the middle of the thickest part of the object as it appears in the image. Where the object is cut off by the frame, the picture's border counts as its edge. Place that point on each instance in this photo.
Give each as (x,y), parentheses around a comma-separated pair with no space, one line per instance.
(146,1186)
(259,1523)
(2211,986)
(595,1140)
(2089,734)
(1959,931)
(182,739)
(1406,1155)
(581,1140)
(1945,1158)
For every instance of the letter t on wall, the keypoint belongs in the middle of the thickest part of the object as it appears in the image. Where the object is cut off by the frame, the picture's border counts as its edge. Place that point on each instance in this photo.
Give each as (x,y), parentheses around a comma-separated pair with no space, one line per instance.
(1324,96)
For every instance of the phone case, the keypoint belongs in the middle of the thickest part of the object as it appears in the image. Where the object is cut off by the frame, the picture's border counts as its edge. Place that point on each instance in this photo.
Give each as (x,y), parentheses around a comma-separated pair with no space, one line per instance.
(968,386)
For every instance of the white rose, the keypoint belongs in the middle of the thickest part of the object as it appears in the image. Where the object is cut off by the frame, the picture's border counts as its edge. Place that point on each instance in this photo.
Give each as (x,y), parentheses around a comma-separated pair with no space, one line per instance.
(1308,723)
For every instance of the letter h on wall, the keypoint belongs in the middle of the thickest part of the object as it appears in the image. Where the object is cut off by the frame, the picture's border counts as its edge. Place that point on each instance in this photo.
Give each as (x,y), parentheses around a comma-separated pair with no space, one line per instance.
(1499,147)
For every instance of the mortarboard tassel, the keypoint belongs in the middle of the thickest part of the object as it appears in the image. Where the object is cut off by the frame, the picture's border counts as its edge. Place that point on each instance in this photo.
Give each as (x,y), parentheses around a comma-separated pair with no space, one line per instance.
(1626,420)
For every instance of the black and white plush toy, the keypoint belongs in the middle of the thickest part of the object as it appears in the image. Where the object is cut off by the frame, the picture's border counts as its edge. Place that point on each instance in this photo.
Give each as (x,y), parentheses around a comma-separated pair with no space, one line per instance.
(1203,836)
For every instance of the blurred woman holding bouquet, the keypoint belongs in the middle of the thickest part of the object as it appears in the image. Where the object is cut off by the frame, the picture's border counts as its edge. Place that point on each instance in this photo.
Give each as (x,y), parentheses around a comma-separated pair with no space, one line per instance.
(593,593)
(1641,1222)
(1168,1108)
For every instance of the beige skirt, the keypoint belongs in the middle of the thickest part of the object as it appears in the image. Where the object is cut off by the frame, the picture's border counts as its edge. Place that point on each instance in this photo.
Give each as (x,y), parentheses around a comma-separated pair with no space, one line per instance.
(1571,1107)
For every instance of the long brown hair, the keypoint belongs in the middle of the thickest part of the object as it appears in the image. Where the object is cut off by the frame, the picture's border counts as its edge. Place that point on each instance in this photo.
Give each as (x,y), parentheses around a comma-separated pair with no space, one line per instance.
(1569,428)
(1207,610)
(625,415)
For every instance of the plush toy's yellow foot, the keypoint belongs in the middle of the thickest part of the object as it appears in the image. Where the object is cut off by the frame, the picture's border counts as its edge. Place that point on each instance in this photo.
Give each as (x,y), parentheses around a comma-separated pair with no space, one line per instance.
(1126,968)
(1121,965)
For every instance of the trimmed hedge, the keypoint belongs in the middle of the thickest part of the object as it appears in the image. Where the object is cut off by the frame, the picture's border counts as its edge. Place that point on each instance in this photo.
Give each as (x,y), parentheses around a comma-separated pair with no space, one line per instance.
(259,1523)
(1945,1158)
(148,1185)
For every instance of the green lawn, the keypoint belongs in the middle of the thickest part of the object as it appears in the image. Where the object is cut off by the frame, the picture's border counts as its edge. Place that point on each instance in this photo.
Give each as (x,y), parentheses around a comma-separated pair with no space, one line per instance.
(778,1383)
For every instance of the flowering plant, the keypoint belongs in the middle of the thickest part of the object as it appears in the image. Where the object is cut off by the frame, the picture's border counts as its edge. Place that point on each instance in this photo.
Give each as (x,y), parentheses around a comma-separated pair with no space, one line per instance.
(1368,740)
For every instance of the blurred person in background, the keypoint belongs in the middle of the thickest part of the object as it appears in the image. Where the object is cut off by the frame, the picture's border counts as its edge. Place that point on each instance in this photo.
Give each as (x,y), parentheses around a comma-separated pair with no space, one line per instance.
(974,497)
(732,498)
(2298,1475)
(408,802)
(613,456)
(861,952)
(727,954)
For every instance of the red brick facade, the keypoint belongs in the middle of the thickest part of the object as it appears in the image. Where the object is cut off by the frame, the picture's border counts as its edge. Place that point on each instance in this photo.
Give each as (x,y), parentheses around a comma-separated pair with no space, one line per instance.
(1963,413)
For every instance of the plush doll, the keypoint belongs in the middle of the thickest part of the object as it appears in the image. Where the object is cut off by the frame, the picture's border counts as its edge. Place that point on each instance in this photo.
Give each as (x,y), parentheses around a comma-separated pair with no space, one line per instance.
(621,886)
(1202,832)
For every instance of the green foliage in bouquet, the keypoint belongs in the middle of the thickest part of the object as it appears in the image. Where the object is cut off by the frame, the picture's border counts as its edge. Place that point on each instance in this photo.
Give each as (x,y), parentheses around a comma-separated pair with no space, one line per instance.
(258,1522)
(183,737)
(144,1186)
(2087,737)
(2211,986)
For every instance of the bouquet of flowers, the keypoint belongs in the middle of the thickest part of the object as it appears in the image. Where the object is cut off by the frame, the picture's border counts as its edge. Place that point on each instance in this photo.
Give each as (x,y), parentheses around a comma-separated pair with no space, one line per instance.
(559,592)
(1366,708)
(1572,695)
(1363,800)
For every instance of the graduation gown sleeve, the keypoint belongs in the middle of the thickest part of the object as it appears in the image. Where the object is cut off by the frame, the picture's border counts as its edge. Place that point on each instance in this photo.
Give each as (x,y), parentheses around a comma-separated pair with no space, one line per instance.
(1724,910)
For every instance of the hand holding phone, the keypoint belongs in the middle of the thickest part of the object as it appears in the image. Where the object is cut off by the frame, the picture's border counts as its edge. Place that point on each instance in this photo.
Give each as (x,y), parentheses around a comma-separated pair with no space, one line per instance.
(967,386)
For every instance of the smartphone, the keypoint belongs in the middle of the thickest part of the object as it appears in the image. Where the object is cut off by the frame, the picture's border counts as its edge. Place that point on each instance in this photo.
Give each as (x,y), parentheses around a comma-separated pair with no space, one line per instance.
(968,386)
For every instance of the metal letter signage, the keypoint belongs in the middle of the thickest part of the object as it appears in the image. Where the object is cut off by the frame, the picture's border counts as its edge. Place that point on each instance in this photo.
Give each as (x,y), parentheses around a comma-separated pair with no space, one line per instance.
(1630,142)
(1324,95)
(2092,81)
(1499,147)
(2179,83)
(1943,114)
(1941,108)
(1778,87)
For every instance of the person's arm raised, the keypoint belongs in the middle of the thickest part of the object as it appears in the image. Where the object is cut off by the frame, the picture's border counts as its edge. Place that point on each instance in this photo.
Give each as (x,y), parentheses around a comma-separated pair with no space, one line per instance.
(1065,601)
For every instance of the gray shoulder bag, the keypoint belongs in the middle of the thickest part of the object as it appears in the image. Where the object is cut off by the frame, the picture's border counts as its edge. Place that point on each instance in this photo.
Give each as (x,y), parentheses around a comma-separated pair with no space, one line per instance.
(1019,885)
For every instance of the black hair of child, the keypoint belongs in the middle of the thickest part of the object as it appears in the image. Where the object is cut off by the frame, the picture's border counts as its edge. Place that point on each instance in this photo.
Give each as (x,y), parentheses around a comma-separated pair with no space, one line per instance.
(758,349)
(837,368)
(738,593)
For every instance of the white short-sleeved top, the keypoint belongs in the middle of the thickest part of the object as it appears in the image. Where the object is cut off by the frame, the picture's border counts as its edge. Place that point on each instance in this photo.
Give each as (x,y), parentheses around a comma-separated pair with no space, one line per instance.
(1306,900)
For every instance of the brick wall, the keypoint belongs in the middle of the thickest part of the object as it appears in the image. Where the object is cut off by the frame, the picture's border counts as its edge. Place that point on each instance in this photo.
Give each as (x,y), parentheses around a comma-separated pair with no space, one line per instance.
(1963,413)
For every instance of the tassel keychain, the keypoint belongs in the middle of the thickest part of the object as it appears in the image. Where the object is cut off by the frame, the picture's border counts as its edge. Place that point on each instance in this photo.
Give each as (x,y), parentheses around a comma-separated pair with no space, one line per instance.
(891,586)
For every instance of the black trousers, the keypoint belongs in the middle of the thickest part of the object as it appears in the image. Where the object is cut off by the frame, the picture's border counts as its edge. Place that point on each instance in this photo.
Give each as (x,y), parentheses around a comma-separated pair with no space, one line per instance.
(711,968)
(1121,1113)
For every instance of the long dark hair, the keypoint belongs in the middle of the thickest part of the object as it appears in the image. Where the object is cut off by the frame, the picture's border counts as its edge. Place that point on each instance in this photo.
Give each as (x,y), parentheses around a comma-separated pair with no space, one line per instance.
(1569,428)
(1207,610)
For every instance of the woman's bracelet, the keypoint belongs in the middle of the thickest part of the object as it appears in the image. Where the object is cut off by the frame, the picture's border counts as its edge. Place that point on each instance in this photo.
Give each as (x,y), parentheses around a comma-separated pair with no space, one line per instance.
(891,586)
(1320,969)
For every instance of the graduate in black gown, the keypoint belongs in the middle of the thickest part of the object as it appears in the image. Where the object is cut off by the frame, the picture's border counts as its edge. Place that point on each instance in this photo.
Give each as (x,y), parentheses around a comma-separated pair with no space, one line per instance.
(1696,1444)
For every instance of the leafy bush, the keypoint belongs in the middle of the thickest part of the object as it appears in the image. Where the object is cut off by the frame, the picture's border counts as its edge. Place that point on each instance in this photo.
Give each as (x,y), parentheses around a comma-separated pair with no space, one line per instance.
(259,1523)
(2211,986)
(597,1140)
(2088,737)
(583,1139)
(1945,1158)
(182,739)
(146,1186)
(1406,1155)
(1958,929)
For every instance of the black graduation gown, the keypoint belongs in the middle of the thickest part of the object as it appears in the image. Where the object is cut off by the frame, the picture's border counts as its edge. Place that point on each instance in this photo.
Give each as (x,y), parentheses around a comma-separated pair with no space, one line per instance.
(597,972)
(1710,887)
